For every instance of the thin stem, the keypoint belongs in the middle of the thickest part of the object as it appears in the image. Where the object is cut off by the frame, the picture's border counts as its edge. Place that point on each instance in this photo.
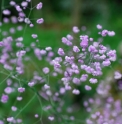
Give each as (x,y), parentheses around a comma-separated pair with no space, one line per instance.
(40,106)
(25,106)
(5,79)
(2,3)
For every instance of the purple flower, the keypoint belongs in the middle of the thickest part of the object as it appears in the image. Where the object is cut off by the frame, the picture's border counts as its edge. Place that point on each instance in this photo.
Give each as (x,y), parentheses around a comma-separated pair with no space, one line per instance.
(46,70)
(10,119)
(76,92)
(92,49)
(99,26)
(104,33)
(4,98)
(31,84)
(34,35)
(6,12)
(93,81)
(51,118)
(69,37)
(117,75)
(87,87)
(75,29)
(106,63)
(84,42)
(21,89)
(39,5)
(40,21)
(14,108)
(61,52)
(20,53)
(76,49)
(66,41)
(111,33)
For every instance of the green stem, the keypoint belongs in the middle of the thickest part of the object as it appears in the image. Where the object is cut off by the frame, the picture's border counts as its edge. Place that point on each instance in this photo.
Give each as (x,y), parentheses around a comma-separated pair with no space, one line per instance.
(25,106)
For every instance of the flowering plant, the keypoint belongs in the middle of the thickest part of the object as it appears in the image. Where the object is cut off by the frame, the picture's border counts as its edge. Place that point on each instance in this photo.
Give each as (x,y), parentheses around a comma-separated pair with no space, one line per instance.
(44,80)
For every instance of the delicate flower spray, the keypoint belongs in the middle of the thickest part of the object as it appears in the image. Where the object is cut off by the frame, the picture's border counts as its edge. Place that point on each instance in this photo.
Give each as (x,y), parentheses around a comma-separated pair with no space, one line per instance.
(44,80)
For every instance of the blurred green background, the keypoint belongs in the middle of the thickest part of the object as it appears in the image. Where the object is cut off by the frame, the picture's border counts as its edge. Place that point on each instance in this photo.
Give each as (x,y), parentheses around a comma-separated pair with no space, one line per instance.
(61,15)
(59,18)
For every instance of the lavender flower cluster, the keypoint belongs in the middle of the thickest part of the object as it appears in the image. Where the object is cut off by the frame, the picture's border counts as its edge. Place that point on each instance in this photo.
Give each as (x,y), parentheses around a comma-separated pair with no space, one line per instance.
(108,108)
(79,63)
